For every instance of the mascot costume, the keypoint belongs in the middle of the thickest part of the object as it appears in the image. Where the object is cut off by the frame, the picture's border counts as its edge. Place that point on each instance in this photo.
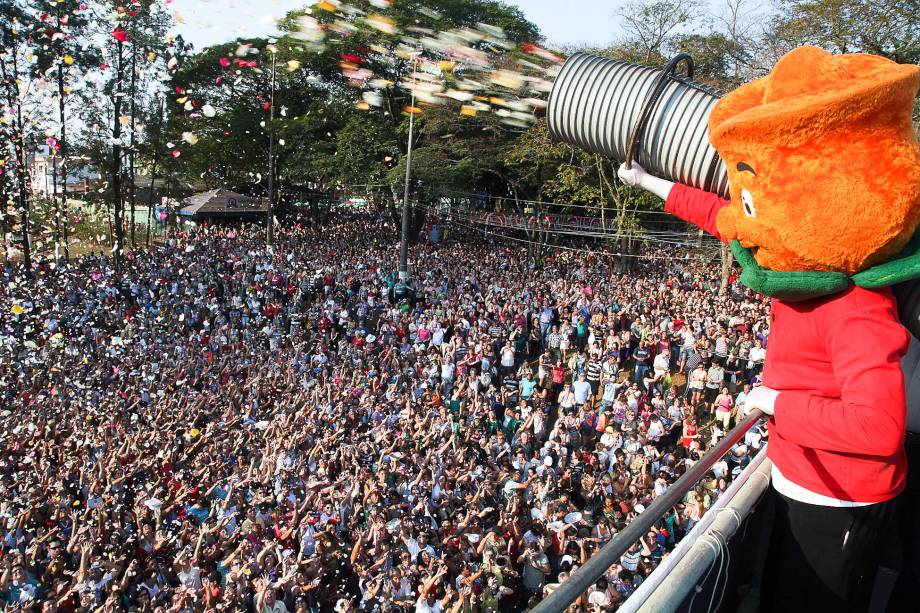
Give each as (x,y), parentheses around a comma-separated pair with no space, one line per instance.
(824,177)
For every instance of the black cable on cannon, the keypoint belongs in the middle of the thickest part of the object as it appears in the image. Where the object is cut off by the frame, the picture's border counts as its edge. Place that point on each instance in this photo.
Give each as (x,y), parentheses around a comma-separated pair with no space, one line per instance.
(667,73)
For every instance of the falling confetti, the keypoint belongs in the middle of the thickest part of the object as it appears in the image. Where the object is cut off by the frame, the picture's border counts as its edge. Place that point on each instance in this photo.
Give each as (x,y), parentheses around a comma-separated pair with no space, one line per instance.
(507,79)
(372,98)
(310,32)
(382,23)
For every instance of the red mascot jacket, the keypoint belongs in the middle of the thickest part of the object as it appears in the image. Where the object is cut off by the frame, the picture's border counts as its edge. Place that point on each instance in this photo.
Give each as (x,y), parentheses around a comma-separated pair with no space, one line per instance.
(840,418)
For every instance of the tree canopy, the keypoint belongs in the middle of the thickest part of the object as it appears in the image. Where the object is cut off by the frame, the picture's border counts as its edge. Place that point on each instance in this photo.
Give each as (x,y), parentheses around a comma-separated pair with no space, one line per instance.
(332,94)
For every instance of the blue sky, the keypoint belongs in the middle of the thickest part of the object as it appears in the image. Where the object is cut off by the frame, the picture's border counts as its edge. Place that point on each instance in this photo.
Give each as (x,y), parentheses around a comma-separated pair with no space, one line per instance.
(561,21)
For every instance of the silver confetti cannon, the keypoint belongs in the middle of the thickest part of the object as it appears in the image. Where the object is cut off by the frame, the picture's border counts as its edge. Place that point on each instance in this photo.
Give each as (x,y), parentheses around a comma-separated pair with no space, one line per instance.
(628,112)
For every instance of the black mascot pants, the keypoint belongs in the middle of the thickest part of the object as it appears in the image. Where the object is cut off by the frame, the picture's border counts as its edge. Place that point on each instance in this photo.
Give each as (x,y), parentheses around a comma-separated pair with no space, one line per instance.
(824,558)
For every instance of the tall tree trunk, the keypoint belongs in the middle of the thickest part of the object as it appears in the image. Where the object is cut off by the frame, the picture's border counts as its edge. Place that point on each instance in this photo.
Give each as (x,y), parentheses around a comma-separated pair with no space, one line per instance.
(54,202)
(23,201)
(65,218)
(62,142)
(115,180)
(150,206)
(168,196)
(131,169)
(727,260)
(22,181)
(108,218)
(153,168)
(270,213)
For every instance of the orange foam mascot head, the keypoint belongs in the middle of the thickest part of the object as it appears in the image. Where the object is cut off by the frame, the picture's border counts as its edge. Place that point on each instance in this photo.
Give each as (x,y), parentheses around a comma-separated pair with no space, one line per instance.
(823,162)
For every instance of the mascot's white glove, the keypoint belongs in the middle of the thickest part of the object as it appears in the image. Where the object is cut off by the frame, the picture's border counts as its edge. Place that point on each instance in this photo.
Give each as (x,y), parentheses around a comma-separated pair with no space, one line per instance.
(637,177)
(762,398)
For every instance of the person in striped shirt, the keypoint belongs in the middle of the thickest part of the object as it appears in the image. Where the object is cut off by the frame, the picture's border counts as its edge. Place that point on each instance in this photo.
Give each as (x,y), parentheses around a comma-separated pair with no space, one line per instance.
(593,374)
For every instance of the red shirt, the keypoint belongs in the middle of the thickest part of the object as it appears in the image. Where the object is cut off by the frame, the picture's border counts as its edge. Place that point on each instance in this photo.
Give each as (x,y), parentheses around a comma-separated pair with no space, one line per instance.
(558,375)
(840,418)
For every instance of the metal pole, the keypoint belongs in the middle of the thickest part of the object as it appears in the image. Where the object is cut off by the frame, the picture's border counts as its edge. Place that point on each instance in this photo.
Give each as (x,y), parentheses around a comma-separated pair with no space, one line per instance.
(270,212)
(727,500)
(597,566)
(687,572)
(404,236)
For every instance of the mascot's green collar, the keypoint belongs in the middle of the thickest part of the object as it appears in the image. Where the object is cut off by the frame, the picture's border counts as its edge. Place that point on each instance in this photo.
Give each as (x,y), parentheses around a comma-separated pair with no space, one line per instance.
(803,285)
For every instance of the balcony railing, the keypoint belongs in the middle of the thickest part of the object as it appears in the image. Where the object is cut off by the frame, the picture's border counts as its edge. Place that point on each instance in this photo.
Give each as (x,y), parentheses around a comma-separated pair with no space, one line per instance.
(699,565)
(695,554)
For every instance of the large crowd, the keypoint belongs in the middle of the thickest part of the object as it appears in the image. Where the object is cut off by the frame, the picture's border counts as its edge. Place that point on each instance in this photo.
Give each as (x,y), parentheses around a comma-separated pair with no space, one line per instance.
(222,426)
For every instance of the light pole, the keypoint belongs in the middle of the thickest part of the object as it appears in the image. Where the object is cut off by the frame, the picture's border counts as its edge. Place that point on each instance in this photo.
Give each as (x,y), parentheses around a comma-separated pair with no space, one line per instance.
(270,212)
(403,279)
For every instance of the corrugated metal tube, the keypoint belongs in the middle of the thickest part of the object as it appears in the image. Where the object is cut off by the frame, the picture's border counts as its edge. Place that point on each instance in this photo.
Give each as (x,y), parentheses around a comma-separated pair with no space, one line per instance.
(595,104)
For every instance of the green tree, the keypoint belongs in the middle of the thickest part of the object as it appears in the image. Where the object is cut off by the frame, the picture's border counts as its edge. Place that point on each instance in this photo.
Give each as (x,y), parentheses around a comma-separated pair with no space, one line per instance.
(146,23)
(530,165)
(532,160)
(715,56)
(889,28)
(131,66)
(17,26)
(652,26)
(366,150)
(224,94)
(322,138)
(64,56)
(454,156)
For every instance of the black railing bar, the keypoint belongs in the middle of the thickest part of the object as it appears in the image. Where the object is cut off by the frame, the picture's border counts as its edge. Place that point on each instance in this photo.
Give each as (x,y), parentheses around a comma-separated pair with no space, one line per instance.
(579,582)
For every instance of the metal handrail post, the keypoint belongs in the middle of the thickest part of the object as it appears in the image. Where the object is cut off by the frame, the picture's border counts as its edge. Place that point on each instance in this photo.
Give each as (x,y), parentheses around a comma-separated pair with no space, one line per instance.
(579,582)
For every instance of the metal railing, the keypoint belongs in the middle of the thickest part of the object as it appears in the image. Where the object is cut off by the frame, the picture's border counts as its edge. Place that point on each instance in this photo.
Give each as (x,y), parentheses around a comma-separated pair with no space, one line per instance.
(705,551)
(579,582)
